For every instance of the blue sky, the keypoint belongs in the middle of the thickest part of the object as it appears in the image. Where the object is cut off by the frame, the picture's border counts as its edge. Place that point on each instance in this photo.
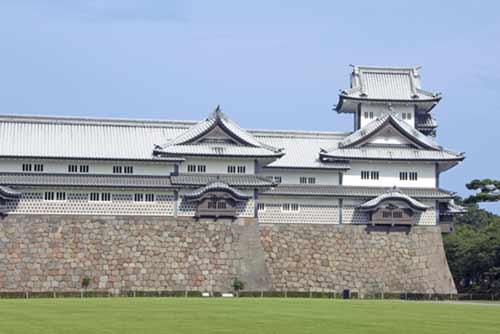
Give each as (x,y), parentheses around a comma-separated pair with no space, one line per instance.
(270,64)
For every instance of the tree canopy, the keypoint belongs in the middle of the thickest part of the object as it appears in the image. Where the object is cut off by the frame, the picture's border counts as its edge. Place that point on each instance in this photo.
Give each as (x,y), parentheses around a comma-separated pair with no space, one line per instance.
(473,250)
(489,191)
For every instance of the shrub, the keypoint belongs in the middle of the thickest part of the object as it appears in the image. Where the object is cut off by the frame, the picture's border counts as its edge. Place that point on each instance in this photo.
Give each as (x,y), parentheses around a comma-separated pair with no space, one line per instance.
(238,284)
(86,282)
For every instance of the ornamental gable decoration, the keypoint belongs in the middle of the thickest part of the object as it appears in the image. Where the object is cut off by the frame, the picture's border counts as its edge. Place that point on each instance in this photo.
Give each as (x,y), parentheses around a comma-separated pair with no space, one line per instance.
(217,135)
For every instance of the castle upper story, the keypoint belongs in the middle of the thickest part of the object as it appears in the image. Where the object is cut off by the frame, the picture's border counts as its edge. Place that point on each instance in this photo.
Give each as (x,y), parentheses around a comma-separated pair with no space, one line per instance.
(377,91)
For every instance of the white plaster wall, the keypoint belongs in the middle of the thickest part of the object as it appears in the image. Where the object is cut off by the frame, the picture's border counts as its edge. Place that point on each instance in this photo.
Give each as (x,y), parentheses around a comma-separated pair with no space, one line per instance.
(292,176)
(219,165)
(95,167)
(382,109)
(389,174)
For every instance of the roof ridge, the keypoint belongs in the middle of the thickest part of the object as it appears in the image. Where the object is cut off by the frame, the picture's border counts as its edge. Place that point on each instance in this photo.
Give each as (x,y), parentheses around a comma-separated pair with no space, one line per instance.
(56,119)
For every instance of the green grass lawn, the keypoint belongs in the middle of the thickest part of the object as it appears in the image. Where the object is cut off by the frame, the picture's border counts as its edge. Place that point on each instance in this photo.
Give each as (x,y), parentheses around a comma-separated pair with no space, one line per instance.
(245,315)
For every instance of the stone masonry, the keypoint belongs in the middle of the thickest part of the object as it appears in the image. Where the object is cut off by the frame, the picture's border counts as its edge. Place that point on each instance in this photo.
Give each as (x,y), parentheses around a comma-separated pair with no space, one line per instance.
(53,253)
(338,257)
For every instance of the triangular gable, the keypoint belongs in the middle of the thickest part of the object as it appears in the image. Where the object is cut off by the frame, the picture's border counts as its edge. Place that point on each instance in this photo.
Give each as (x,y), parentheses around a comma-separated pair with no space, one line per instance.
(217,135)
(377,127)
(216,125)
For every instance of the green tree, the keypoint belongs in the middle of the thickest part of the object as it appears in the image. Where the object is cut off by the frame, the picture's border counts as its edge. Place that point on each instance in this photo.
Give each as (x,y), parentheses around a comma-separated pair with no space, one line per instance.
(489,191)
(473,250)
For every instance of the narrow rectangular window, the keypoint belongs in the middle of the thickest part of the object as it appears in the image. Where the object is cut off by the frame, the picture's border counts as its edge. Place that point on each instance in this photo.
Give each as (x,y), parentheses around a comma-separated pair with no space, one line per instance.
(374,175)
(191,168)
(49,196)
(117,169)
(413,176)
(386,214)
(397,214)
(408,116)
(84,168)
(231,169)
(138,197)
(94,197)
(38,167)
(285,207)
(150,197)
(371,114)
(278,179)
(302,180)
(72,168)
(404,115)
(311,180)
(366,114)
(61,196)
(212,204)
(241,169)
(26,167)
(128,169)
(221,205)
(202,168)
(403,176)
(261,206)
(365,175)
(106,197)
(294,207)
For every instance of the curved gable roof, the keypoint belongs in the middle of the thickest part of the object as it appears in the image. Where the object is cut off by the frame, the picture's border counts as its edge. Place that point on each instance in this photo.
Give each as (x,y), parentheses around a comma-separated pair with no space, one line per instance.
(216,186)
(392,195)
(378,124)
(242,143)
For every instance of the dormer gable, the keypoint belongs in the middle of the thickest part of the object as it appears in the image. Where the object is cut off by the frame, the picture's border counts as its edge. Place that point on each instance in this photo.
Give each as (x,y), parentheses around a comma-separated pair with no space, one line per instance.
(217,135)
(392,131)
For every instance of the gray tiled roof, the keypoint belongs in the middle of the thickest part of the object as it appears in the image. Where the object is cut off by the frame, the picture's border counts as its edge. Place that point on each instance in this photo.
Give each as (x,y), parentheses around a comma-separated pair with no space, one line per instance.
(217,117)
(8,193)
(241,180)
(454,209)
(393,195)
(116,139)
(218,149)
(80,138)
(425,121)
(354,191)
(302,148)
(394,152)
(379,123)
(216,186)
(351,147)
(191,141)
(387,83)
(18,179)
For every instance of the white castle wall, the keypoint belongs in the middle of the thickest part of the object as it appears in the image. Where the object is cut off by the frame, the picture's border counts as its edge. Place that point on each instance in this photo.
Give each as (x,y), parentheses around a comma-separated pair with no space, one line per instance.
(218,165)
(383,109)
(389,174)
(292,176)
(95,167)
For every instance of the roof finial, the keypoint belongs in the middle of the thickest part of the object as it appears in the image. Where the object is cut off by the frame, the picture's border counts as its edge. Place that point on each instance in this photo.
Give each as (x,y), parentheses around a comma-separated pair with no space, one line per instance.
(217,113)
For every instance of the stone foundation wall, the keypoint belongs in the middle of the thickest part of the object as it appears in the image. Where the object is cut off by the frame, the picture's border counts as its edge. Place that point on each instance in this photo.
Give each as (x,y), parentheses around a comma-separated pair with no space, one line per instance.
(337,257)
(43,253)
(47,253)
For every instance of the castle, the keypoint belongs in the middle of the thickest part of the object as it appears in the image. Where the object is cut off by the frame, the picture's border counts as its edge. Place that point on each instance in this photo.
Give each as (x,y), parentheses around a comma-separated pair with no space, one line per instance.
(172,205)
